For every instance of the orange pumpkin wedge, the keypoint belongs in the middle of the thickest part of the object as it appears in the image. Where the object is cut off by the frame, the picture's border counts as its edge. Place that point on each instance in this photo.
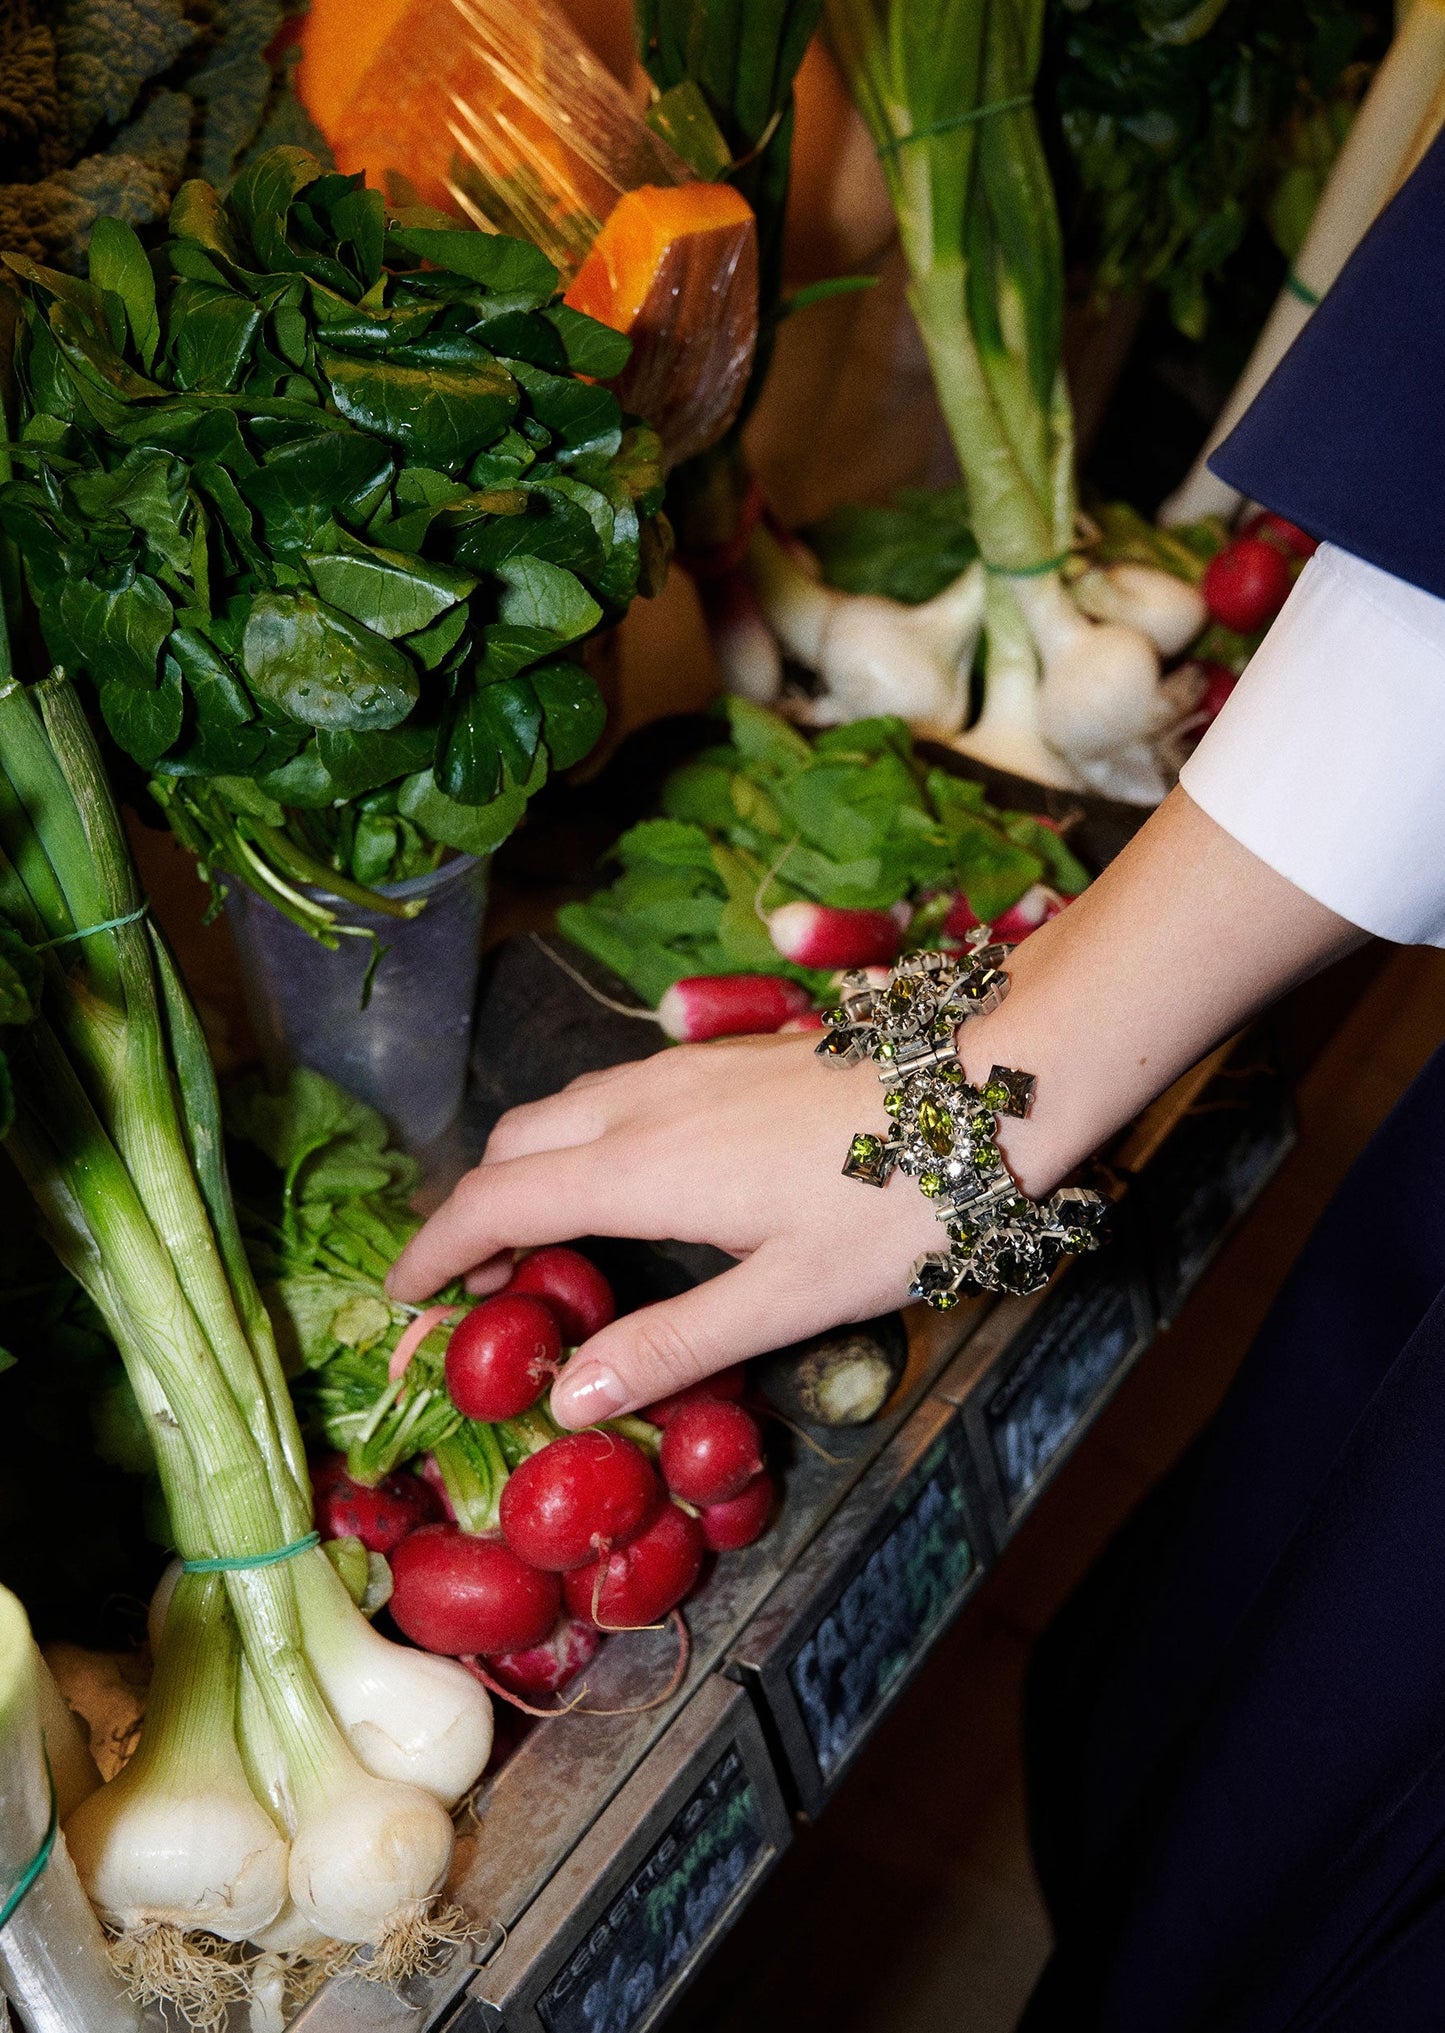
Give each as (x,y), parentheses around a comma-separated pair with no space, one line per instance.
(676,269)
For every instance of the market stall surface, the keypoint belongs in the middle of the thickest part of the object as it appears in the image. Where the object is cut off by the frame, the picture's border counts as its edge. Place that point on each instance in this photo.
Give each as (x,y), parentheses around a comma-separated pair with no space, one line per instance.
(911,1904)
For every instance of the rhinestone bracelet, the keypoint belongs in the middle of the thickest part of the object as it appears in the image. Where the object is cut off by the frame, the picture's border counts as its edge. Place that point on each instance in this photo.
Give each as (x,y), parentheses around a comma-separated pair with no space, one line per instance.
(944,1131)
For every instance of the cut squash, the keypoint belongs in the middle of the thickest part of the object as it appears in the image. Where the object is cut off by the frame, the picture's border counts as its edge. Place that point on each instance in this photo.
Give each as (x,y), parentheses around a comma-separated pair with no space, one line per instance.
(676,269)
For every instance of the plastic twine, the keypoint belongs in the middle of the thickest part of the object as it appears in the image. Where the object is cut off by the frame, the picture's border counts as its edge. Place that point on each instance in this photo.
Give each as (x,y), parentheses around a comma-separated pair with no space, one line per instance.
(954,120)
(92,931)
(40,1859)
(237,1563)
(1302,290)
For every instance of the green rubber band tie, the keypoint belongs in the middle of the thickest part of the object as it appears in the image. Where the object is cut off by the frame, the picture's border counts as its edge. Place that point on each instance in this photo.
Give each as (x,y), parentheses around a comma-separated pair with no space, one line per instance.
(954,121)
(94,931)
(237,1563)
(38,1862)
(1302,290)
(1054,564)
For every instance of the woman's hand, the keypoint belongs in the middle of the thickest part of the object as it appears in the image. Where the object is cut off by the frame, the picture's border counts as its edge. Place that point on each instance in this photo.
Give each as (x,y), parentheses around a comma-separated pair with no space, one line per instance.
(739,1144)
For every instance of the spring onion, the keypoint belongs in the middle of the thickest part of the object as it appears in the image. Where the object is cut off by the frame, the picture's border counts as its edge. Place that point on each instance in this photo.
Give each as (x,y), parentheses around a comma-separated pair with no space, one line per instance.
(946,89)
(53,1961)
(208,1836)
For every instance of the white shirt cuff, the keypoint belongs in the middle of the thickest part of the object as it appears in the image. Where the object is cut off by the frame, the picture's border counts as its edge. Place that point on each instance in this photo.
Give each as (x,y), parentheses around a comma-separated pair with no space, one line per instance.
(1328,761)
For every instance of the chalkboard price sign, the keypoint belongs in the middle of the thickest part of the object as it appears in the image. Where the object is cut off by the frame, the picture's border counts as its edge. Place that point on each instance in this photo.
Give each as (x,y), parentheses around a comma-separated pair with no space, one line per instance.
(668,1910)
(1077,1343)
(905,1585)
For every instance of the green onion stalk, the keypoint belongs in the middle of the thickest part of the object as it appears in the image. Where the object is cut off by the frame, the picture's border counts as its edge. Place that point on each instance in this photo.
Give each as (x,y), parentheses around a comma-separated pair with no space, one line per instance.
(53,1961)
(946,90)
(117,1137)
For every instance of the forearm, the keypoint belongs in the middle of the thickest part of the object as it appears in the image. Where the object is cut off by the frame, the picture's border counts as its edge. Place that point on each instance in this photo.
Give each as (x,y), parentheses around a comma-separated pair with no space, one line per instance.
(1182,939)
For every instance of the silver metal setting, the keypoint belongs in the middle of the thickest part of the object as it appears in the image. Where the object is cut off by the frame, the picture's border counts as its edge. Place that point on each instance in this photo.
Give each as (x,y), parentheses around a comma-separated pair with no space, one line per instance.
(943,1131)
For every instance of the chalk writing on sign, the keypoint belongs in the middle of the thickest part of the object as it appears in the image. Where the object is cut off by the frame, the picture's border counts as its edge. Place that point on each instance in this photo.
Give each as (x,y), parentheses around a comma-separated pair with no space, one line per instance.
(1078,1343)
(666,1911)
(890,1609)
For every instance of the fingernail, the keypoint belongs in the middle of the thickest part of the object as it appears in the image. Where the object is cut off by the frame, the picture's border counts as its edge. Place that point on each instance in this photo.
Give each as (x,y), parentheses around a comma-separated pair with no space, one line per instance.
(585,1396)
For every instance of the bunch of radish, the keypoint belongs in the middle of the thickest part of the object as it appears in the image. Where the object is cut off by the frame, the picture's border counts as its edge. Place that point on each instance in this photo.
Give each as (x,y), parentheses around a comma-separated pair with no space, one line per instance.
(602,1530)
(1248,582)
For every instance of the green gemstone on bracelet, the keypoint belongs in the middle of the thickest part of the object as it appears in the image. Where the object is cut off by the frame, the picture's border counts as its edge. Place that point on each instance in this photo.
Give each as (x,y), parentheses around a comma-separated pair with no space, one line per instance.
(996,1094)
(865,1148)
(984,1152)
(887,1050)
(835,1016)
(943,1302)
(935,1126)
(895,1101)
(930,1183)
(950,1071)
(962,1234)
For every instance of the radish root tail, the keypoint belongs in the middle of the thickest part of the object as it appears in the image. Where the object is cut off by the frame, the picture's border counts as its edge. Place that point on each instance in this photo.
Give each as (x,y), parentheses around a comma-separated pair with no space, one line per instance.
(645,1016)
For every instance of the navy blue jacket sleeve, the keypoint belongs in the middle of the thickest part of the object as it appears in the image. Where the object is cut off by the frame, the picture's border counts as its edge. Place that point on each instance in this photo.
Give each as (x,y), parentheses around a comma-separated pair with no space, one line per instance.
(1347,438)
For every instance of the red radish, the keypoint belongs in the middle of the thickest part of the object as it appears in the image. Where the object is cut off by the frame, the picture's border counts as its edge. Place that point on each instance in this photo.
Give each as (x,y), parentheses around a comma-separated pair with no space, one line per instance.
(729,1005)
(643,1580)
(1275,529)
(961,919)
(380,1517)
(1034,908)
(1219,682)
(453,1592)
(547,1667)
(741,1519)
(429,1469)
(502,1356)
(811,1020)
(575,1289)
(820,935)
(710,1450)
(1247,583)
(724,1383)
(574,1498)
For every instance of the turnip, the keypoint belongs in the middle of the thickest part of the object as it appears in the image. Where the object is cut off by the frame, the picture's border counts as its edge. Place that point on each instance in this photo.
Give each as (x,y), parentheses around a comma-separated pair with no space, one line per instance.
(457,1593)
(821,935)
(637,1584)
(1169,610)
(380,1518)
(501,1357)
(723,1383)
(738,1520)
(710,1450)
(547,1667)
(572,1286)
(576,1498)
(1247,583)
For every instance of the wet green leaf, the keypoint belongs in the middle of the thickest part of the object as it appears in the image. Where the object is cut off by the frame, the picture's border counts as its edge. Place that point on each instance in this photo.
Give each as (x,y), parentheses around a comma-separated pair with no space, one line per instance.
(316,664)
(442,416)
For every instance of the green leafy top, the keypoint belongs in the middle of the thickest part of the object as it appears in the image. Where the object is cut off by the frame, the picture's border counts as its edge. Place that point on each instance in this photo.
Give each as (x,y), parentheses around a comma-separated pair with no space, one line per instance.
(853,819)
(1178,117)
(319,501)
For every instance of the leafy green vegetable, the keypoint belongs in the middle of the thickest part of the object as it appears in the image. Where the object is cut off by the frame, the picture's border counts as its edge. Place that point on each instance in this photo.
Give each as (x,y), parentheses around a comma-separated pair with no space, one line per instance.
(908,550)
(852,819)
(313,519)
(1179,120)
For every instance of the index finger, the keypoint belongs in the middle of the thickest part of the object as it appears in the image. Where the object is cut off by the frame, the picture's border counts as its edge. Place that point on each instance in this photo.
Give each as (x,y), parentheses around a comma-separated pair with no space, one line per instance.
(516,1203)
